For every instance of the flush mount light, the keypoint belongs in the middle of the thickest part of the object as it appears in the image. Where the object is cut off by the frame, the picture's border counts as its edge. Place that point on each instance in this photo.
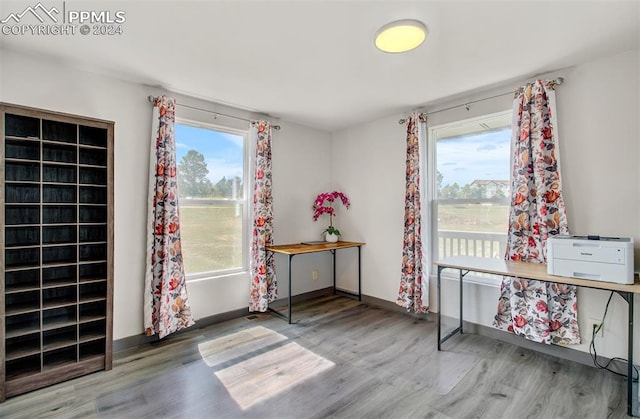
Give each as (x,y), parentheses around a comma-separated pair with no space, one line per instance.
(401,36)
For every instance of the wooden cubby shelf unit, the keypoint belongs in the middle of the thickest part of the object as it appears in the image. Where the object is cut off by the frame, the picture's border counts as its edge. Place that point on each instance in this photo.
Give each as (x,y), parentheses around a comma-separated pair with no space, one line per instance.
(56,211)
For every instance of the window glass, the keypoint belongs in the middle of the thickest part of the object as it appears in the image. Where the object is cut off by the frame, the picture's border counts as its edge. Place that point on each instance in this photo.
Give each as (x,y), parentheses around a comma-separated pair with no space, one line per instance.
(213,204)
(472,186)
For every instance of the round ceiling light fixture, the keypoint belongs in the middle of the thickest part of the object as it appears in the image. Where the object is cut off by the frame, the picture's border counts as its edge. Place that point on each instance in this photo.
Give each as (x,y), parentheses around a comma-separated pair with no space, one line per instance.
(401,36)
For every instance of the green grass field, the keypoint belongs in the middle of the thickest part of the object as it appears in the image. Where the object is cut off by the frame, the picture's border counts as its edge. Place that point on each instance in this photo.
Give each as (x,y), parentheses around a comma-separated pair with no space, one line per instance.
(490,218)
(212,234)
(211,237)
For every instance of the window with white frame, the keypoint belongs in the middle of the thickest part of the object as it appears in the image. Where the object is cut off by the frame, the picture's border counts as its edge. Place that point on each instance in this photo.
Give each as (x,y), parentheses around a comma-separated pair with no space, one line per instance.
(470,165)
(212,184)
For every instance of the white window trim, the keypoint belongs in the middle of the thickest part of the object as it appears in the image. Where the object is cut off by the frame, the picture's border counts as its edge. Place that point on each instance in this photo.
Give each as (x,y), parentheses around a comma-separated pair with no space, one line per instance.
(247,207)
(431,209)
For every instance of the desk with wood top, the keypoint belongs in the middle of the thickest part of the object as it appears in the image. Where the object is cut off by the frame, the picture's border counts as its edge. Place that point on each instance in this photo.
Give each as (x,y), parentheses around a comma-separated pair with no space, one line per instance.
(466,264)
(294,249)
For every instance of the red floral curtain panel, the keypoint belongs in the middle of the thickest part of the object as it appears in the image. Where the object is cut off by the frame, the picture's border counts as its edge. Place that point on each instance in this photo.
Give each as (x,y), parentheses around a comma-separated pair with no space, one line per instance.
(264,286)
(165,299)
(539,311)
(414,289)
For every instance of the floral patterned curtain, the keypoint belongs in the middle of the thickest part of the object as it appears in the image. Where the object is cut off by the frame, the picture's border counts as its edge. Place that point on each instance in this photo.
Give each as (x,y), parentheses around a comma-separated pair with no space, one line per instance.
(166,306)
(264,287)
(540,311)
(413,287)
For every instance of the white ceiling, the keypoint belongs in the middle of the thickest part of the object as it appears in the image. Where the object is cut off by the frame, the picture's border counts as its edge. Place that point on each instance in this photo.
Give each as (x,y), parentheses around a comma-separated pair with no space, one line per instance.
(313,62)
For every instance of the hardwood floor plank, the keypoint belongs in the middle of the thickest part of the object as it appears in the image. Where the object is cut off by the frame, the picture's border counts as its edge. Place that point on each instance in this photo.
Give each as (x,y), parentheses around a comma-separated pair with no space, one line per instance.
(341,359)
(54,402)
(223,349)
(383,401)
(271,373)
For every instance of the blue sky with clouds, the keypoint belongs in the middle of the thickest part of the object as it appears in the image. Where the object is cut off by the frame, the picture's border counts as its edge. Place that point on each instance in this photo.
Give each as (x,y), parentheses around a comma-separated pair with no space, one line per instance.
(480,156)
(460,159)
(223,152)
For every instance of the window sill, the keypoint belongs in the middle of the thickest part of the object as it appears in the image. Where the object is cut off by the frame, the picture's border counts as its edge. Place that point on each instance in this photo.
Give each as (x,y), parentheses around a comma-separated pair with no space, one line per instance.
(221,275)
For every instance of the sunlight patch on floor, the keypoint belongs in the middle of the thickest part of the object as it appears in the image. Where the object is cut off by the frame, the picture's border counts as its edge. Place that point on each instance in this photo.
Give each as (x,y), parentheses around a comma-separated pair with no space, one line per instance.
(225,348)
(271,373)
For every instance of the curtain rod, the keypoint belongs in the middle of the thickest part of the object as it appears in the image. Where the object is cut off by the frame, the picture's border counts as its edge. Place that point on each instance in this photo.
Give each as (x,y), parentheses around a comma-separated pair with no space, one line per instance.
(556,82)
(216,114)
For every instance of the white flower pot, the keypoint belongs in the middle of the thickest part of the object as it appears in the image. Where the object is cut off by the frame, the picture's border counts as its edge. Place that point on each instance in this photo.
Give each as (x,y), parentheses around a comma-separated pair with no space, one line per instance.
(331,238)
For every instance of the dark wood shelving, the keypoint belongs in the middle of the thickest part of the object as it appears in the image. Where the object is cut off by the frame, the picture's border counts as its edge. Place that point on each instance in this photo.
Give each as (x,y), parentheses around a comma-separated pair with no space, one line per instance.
(13,355)
(57,215)
(22,324)
(18,160)
(56,364)
(89,319)
(22,309)
(58,324)
(27,330)
(55,265)
(85,300)
(23,302)
(53,163)
(58,283)
(60,317)
(23,367)
(64,355)
(91,310)
(89,337)
(92,280)
(15,289)
(19,269)
(22,346)
(60,302)
(58,344)
(88,262)
(90,356)
(33,139)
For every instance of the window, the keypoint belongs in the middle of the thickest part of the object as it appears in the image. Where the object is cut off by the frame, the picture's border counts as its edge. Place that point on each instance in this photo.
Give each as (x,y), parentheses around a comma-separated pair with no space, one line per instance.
(212,174)
(471,202)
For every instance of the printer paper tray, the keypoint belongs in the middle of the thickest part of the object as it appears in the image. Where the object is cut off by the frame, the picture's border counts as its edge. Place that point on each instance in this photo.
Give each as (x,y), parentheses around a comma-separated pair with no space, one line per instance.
(592,270)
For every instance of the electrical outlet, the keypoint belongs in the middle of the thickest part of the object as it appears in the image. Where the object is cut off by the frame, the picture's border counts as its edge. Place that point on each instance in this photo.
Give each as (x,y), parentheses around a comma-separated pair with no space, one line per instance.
(595,325)
(315,275)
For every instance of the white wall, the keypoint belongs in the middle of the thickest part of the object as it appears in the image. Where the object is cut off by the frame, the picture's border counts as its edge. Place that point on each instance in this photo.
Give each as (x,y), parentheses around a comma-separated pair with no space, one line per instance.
(598,113)
(301,170)
(301,160)
(368,165)
(597,116)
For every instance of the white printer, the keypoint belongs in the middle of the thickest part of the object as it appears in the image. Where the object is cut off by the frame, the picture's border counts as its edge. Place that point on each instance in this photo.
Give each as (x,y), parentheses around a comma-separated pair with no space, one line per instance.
(608,259)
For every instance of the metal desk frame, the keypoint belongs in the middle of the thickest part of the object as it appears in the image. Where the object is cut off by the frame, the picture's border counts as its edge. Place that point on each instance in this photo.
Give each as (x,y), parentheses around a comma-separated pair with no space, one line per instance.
(292,250)
(466,264)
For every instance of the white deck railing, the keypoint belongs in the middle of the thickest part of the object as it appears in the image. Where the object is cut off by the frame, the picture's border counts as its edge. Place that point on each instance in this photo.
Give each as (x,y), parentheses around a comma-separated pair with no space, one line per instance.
(471,243)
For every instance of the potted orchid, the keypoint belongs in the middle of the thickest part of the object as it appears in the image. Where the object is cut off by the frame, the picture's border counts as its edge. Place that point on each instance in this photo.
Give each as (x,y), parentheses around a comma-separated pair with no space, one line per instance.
(324,205)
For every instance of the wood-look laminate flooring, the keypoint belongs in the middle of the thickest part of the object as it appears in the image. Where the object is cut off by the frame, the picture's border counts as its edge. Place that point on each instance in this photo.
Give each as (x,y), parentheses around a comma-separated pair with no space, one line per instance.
(342,359)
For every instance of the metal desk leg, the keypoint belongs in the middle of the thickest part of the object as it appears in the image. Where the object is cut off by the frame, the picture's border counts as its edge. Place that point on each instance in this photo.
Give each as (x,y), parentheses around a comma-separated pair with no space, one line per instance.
(630,396)
(359,276)
(333,257)
(289,297)
(628,297)
(461,300)
(439,309)
(441,339)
